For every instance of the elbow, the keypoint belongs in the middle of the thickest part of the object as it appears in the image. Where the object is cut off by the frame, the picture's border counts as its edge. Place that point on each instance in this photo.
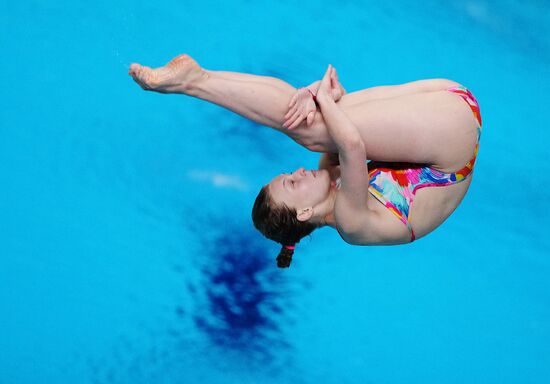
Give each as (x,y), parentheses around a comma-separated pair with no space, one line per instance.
(353,145)
(351,233)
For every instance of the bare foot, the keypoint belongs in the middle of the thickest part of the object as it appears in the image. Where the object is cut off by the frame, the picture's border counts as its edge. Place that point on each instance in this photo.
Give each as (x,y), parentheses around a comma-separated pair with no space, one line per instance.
(178,76)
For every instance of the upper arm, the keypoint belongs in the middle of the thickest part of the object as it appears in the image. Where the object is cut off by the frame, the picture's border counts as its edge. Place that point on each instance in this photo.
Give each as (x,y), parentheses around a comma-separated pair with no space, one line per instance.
(351,199)
(351,210)
(354,176)
(356,222)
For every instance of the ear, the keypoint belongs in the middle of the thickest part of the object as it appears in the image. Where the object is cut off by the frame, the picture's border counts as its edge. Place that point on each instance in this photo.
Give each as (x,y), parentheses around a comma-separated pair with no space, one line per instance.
(304,214)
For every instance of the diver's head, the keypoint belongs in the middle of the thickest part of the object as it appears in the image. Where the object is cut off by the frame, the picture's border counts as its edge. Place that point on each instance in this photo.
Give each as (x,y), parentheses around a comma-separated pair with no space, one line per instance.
(292,206)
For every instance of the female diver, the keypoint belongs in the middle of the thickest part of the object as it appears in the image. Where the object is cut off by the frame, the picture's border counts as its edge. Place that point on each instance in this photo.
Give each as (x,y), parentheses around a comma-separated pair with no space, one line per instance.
(434,124)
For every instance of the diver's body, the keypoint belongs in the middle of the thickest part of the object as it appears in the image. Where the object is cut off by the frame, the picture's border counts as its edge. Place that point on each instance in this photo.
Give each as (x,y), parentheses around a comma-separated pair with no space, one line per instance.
(419,122)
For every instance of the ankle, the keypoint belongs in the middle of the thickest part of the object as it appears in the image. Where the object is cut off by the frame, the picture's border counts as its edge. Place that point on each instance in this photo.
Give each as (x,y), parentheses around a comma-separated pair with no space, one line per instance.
(198,85)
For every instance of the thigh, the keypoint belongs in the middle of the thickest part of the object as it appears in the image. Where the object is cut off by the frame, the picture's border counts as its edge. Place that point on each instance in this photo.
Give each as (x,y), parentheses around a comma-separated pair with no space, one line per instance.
(390,91)
(434,128)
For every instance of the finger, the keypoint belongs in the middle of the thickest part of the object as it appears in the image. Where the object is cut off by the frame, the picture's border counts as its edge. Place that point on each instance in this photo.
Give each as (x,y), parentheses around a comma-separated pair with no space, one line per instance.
(289,123)
(310,118)
(290,112)
(333,81)
(295,115)
(335,75)
(293,100)
(297,122)
(328,72)
(337,84)
(325,81)
(291,120)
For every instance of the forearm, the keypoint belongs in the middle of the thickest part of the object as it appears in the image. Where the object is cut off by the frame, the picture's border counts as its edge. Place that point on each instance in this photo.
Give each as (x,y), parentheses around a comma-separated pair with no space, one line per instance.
(342,130)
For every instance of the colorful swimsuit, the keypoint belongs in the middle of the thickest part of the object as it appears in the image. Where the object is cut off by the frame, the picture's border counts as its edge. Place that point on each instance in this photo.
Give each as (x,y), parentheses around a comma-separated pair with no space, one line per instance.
(395,185)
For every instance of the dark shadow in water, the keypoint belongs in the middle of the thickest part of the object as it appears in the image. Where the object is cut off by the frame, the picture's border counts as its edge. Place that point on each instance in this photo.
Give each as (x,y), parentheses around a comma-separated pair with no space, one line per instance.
(242,300)
(237,310)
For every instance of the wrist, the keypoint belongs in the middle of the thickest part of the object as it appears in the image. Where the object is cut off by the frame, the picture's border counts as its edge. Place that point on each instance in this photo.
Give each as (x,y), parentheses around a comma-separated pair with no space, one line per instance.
(313,95)
(323,98)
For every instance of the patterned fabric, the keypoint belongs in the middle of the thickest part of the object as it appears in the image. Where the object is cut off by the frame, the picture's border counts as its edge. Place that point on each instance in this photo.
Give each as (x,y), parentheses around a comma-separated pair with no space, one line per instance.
(395,185)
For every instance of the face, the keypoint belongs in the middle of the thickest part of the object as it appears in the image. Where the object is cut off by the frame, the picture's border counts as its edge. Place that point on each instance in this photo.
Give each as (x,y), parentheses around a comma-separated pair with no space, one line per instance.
(301,189)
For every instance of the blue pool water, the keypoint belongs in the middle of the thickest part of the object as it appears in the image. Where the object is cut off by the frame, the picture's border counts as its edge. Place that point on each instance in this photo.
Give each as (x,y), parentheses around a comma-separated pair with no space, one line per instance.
(127,252)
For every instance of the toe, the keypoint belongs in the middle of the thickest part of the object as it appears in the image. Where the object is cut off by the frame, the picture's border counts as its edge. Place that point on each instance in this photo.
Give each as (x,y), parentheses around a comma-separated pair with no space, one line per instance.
(179,57)
(134,67)
(141,72)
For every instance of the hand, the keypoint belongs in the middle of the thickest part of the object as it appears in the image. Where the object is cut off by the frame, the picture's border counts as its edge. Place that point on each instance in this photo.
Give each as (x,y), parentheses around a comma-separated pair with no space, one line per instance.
(336,87)
(302,106)
(325,91)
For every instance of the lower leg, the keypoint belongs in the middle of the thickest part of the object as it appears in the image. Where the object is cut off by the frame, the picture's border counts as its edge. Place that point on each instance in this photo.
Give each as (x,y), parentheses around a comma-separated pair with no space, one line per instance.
(265,101)
(259,98)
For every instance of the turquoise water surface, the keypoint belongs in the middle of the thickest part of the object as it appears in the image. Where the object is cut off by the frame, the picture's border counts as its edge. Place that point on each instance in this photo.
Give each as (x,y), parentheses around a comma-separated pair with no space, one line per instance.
(126,246)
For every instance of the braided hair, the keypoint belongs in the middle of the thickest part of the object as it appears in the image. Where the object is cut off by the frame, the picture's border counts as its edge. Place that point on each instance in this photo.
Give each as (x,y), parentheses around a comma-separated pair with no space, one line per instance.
(279,223)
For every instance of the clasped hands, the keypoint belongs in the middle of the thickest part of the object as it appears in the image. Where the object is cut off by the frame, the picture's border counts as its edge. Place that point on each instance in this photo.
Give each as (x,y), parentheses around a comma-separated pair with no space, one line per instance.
(303,106)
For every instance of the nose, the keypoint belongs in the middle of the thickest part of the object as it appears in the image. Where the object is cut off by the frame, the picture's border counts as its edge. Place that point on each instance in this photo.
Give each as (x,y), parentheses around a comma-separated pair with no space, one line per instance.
(300,171)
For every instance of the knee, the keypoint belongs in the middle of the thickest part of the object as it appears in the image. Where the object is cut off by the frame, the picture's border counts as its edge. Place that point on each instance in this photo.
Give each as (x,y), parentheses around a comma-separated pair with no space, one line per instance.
(446,83)
(314,138)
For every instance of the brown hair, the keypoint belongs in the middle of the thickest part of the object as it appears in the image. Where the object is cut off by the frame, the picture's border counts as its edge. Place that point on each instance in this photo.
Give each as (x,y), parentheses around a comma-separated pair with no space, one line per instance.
(279,223)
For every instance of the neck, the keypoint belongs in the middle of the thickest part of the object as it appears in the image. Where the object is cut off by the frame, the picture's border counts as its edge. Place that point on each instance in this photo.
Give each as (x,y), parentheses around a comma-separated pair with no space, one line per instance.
(327,218)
